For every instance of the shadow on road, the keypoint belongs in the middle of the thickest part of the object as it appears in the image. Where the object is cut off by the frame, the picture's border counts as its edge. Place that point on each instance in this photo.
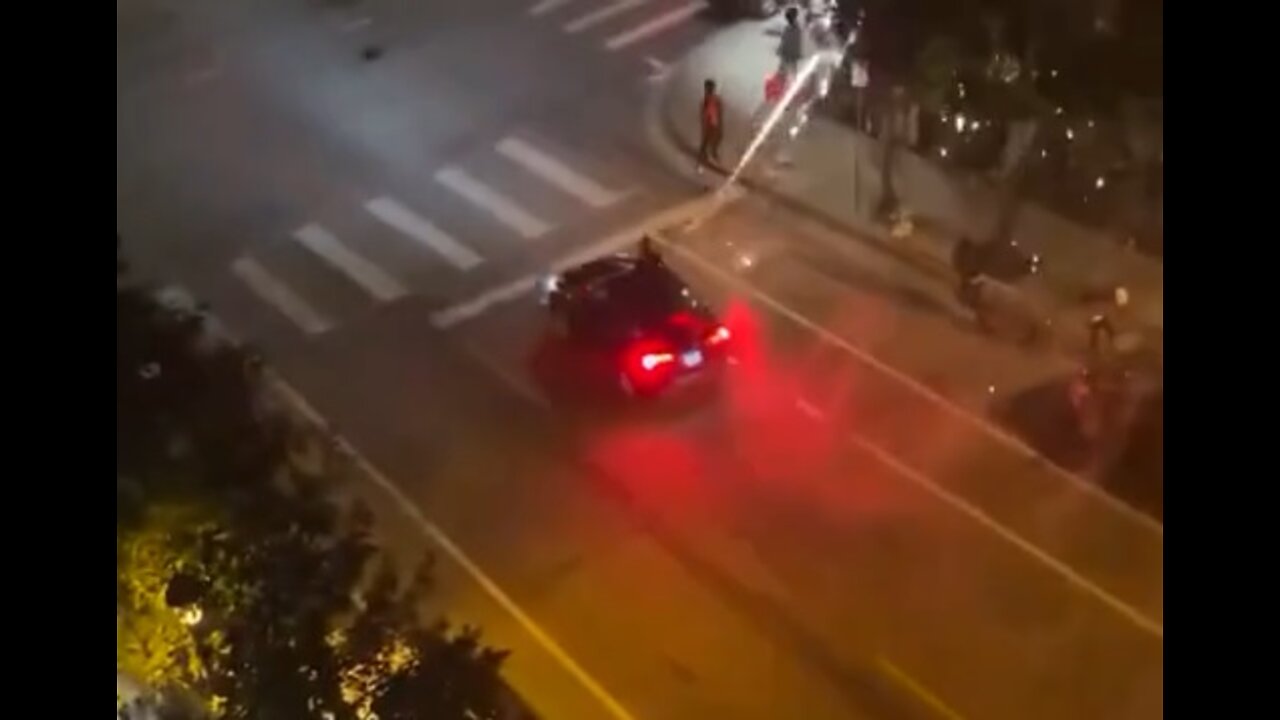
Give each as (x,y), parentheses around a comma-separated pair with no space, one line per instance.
(1137,475)
(1045,419)
(1042,415)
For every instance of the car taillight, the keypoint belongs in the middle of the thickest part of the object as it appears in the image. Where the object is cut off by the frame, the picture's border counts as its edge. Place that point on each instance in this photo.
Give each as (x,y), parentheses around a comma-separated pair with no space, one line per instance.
(719,336)
(653,361)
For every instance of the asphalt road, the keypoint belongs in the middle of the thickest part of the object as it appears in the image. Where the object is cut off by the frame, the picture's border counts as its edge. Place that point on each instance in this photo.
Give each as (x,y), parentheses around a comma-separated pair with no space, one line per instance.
(829,537)
(481,140)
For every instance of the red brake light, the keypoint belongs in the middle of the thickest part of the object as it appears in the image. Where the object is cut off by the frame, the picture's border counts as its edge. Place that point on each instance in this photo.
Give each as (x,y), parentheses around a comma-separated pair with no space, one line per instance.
(718,336)
(651,361)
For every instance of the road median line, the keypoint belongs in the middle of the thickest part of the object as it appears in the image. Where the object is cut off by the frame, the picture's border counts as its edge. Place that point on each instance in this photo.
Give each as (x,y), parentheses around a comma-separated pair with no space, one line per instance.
(916,688)
(981,424)
(964,506)
(178,298)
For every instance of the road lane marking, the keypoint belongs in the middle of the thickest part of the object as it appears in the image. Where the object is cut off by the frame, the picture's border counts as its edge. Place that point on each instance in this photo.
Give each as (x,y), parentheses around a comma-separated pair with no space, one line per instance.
(658,70)
(599,15)
(676,159)
(179,298)
(546,6)
(360,270)
(433,532)
(356,24)
(963,506)
(280,296)
(916,688)
(424,232)
(503,209)
(980,516)
(653,26)
(557,173)
(918,387)
(461,312)
(810,409)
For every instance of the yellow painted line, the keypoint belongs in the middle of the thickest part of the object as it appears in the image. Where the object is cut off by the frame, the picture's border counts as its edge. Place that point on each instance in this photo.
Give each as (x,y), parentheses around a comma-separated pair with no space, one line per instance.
(917,688)
(608,702)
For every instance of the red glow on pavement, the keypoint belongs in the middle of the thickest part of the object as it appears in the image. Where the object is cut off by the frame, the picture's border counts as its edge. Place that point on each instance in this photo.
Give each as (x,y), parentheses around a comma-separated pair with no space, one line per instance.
(744,328)
(655,467)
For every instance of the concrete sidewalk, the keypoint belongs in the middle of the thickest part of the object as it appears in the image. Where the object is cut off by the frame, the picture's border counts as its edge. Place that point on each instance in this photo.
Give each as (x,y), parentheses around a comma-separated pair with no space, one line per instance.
(834,177)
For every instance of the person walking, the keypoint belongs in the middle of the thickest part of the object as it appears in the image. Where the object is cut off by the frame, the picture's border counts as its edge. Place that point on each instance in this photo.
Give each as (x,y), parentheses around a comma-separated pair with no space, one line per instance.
(791,46)
(711,118)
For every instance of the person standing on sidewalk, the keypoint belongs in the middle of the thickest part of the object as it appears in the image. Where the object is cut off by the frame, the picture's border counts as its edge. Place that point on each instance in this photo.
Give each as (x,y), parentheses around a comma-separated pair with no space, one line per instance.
(791,47)
(711,118)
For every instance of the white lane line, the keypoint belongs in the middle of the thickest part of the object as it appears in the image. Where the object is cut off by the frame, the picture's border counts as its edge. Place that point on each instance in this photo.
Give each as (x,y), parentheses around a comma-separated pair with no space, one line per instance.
(280,296)
(810,409)
(504,209)
(455,553)
(360,270)
(658,70)
(919,388)
(627,237)
(423,231)
(653,26)
(599,15)
(1137,617)
(958,503)
(927,696)
(557,173)
(357,24)
(546,6)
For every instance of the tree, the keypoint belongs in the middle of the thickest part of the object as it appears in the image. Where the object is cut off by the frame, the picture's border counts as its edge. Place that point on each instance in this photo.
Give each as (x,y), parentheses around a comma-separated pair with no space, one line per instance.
(910,45)
(243,589)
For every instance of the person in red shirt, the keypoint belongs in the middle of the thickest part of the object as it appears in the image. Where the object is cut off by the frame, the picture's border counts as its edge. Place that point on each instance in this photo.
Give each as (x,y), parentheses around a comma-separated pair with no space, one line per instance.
(712,122)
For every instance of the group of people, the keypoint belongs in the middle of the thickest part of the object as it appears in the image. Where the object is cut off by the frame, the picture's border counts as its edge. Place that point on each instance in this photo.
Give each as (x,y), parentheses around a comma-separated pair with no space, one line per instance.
(791,52)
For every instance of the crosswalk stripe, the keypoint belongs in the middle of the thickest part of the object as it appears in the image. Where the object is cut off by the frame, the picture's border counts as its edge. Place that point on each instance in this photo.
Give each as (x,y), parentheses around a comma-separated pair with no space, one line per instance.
(546,6)
(599,15)
(651,27)
(424,231)
(504,209)
(361,271)
(557,173)
(280,296)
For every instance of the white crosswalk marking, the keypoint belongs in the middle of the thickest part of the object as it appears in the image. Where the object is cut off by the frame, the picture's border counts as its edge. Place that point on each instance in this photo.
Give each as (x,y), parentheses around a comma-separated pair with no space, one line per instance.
(504,209)
(424,231)
(280,296)
(557,173)
(361,271)
(655,25)
(599,15)
(546,6)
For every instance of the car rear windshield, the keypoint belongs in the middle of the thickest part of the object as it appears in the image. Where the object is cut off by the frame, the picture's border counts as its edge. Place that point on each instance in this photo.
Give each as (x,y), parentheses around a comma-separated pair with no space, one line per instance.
(645,296)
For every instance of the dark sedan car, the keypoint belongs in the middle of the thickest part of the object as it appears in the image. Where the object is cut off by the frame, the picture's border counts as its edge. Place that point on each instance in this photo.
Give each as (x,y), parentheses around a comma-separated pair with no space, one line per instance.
(633,323)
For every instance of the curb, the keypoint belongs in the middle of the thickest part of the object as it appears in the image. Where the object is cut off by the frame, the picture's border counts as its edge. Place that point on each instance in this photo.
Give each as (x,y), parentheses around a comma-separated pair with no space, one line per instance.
(868,234)
(1067,343)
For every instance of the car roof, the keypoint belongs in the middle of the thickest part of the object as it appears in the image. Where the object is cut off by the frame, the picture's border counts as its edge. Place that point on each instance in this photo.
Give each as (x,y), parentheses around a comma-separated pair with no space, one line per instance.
(630,289)
(600,270)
